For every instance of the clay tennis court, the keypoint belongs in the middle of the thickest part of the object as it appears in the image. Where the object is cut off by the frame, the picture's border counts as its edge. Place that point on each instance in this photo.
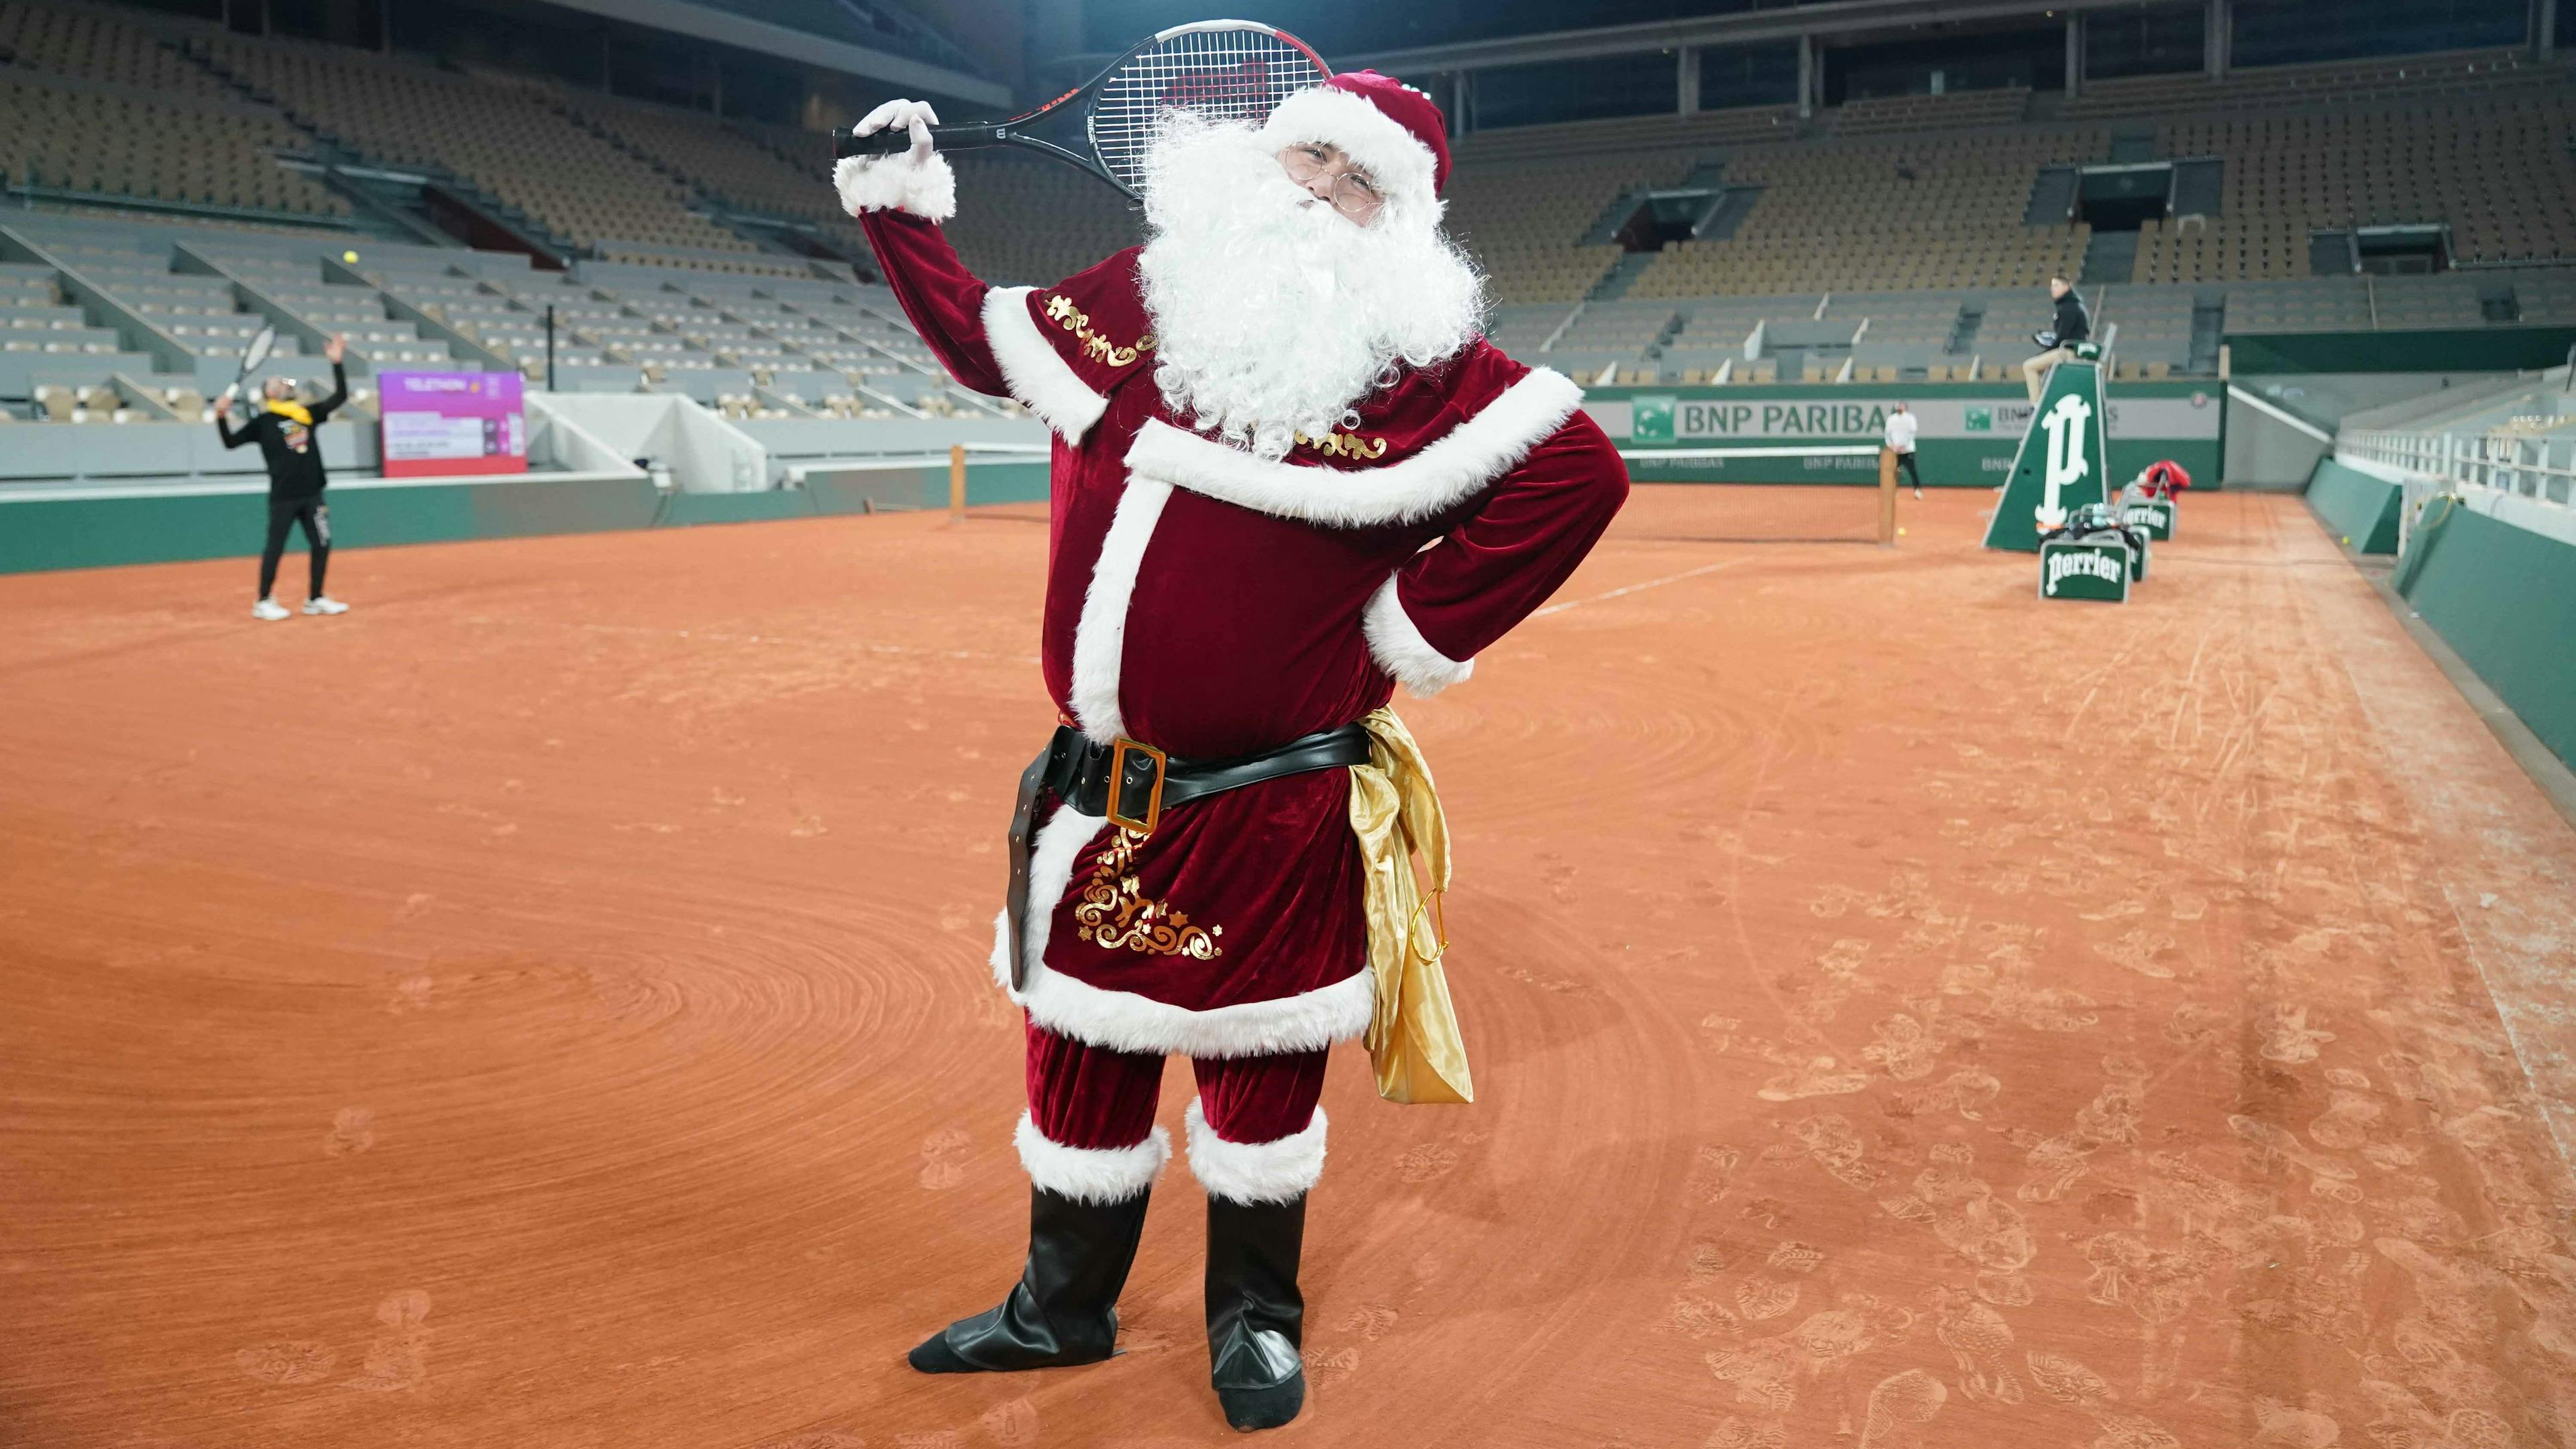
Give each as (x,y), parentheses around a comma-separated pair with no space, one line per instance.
(548,1007)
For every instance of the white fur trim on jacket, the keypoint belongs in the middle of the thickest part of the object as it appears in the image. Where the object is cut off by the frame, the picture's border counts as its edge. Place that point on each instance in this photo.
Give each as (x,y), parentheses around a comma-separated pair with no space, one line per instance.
(1035,372)
(1402,167)
(1399,648)
(1467,459)
(926,188)
(1123,1021)
(1051,858)
(1255,1172)
(1100,635)
(1091,1174)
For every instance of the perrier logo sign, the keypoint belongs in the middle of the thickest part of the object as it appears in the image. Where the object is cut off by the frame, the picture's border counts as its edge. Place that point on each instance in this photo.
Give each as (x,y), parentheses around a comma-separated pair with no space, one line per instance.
(2069,570)
(2061,462)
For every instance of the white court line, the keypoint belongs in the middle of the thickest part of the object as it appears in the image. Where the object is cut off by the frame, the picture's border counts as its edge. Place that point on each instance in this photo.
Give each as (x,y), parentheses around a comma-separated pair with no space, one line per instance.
(1638,588)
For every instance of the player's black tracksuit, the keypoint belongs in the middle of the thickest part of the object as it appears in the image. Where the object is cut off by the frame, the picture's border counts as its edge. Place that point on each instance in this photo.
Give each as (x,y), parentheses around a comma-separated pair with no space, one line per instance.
(295,480)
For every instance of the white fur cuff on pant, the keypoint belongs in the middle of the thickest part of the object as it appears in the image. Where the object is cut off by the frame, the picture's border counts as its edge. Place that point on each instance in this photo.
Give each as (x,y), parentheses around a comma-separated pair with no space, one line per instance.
(1400,650)
(927,189)
(1091,1174)
(1255,1172)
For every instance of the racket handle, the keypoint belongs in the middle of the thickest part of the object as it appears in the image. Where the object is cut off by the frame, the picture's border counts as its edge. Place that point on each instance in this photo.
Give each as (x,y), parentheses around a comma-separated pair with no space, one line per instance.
(894,140)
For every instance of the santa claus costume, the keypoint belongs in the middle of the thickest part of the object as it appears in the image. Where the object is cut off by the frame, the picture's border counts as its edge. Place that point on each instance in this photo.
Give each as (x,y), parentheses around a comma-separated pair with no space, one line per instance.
(1288,473)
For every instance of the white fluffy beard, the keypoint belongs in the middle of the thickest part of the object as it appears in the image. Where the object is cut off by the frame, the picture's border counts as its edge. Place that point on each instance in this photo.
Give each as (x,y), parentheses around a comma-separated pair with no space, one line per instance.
(1273,315)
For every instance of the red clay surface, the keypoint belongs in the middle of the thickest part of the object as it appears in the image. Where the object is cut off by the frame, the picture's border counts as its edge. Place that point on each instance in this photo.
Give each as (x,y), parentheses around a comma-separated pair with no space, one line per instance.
(547,1008)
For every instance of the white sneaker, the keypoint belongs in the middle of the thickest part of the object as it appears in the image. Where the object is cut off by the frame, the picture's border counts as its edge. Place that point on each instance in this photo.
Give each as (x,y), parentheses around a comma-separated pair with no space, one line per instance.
(268,609)
(324,604)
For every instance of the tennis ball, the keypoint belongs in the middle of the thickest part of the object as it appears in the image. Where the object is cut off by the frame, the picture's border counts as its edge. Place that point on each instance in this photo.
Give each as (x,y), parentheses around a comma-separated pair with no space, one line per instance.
(2347,540)
(1900,533)
(348,256)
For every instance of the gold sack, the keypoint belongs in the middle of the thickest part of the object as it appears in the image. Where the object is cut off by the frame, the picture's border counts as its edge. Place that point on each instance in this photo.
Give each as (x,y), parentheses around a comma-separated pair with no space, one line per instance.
(1413,1039)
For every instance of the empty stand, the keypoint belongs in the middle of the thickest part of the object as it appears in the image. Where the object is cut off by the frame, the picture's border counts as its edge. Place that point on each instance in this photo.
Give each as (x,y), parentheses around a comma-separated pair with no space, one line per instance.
(2497,171)
(1526,221)
(1901,334)
(1881,115)
(1928,212)
(2154,328)
(96,43)
(93,137)
(1023,220)
(506,137)
(2294,87)
(748,172)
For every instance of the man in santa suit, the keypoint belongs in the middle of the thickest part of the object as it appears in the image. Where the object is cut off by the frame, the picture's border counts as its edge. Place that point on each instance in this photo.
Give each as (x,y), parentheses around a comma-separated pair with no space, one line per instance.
(1288,473)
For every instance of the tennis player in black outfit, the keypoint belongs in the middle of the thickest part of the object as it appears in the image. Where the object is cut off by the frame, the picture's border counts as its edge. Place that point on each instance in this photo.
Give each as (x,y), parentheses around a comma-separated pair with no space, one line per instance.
(283,428)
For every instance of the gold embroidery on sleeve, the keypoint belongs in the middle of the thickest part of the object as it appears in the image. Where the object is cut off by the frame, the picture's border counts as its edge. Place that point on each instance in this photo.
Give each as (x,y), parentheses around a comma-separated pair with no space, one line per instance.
(1116,915)
(1060,310)
(1346,445)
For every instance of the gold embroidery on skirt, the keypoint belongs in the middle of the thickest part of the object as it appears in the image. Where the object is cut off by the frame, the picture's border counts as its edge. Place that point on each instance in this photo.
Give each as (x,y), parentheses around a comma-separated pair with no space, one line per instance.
(1115,913)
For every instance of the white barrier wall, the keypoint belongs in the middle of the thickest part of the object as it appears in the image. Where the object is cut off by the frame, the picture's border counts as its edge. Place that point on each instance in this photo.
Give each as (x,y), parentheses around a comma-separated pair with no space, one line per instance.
(705,453)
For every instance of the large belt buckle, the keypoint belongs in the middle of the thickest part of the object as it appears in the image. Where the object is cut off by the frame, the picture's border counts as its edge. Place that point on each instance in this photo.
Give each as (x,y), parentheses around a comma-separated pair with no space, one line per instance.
(1119,750)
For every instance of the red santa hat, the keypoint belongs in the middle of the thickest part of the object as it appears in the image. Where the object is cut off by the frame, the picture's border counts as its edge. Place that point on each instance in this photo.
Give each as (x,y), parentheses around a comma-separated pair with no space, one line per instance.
(1387,128)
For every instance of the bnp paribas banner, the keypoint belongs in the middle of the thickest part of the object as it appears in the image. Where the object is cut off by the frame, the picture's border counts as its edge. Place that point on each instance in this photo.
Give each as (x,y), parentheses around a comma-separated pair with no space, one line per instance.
(1965,435)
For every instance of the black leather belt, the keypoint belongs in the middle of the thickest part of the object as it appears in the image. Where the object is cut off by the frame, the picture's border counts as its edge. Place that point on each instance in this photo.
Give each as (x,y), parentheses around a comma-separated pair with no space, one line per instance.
(1132,784)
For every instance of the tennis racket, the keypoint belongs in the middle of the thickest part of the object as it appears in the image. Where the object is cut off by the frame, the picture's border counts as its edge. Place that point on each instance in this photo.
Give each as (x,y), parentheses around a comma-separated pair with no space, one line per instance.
(1228,70)
(252,356)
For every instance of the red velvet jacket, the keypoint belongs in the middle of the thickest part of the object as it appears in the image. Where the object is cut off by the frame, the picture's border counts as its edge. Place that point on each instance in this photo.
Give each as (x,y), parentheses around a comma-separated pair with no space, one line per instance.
(1210,603)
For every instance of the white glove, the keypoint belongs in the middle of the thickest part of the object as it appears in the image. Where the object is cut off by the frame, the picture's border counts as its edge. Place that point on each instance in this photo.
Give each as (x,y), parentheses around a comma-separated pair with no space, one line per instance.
(915,116)
(915,180)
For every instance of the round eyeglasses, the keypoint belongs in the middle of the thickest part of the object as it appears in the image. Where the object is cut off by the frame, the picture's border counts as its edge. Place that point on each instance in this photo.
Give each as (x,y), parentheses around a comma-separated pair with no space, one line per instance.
(1354,195)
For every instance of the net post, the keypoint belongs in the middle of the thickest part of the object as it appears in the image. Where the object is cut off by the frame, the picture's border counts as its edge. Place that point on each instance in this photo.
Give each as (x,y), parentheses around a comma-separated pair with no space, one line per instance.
(1886,497)
(957,482)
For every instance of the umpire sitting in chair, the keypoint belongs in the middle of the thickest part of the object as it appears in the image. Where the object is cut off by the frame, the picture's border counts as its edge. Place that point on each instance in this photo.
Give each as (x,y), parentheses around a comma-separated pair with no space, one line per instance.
(2073,326)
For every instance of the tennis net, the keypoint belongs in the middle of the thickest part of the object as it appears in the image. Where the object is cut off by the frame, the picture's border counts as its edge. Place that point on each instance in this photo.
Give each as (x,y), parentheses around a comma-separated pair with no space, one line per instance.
(1780,493)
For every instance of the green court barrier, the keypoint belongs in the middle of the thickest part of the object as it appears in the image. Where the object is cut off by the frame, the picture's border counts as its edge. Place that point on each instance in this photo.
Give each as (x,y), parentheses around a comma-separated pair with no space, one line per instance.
(2504,598)
(2360,508)
(64,529)
(2461,349)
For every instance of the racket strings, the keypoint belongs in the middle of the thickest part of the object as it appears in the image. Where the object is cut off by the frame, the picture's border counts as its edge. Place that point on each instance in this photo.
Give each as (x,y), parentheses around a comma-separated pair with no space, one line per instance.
(1226,75)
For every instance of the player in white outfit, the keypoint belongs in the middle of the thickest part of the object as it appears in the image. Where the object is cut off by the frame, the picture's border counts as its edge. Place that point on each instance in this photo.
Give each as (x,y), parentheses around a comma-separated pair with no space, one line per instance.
(1900,441)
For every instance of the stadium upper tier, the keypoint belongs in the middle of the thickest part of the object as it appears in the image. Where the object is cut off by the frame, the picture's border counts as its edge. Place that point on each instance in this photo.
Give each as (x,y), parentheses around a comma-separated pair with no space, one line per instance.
(1638,243)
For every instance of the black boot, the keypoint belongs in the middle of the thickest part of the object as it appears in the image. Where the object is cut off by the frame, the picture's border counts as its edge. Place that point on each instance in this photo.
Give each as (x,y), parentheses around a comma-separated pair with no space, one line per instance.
(1064,1309)
(1256,1318)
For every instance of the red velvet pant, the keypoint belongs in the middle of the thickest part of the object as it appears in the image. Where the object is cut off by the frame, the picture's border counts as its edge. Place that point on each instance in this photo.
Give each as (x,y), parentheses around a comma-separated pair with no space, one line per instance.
(1091,1097)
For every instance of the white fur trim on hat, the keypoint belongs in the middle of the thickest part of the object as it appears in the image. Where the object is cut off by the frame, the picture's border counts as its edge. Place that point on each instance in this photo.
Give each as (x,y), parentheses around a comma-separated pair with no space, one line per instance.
(1399,648)
(1091,1174)
(925,188)
(1402,167)
(1034,371)
(1464,461)
(1255,1172)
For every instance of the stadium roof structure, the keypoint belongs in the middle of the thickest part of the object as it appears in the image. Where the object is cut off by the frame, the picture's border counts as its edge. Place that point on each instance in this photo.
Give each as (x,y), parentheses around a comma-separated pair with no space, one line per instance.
(743,25)
(1741,27)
